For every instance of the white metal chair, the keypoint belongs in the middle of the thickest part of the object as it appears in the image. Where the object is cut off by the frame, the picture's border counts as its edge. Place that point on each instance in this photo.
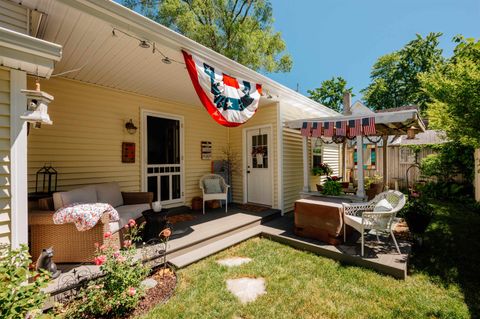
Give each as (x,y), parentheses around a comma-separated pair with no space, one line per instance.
(361,216)
(222,195)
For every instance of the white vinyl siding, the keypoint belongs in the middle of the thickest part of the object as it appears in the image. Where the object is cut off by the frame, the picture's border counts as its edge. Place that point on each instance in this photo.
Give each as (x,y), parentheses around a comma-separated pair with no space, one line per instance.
(13,17)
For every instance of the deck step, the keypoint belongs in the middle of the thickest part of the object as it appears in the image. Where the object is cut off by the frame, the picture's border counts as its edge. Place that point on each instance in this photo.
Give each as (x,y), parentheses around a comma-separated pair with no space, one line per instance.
(213,248)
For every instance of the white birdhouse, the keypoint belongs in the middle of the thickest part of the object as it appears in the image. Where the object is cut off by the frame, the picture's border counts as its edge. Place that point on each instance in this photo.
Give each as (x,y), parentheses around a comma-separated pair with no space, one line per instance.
(37,107)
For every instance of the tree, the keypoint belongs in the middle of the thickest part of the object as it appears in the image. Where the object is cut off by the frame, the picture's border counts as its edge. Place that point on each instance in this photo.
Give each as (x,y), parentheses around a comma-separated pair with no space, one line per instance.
(395,76)
(239,29)
(330,93)
(454,93)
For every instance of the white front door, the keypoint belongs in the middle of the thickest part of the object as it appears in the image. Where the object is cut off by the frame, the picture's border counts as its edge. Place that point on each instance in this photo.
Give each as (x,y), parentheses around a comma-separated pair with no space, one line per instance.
(259,166)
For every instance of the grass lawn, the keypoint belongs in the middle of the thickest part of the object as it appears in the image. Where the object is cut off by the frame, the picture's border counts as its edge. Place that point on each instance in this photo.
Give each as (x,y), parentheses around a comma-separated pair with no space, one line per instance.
(443,283)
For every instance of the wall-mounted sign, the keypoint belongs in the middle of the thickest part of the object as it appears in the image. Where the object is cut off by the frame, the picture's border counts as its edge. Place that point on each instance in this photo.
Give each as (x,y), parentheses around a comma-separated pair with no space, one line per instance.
(128,152)
(206,150)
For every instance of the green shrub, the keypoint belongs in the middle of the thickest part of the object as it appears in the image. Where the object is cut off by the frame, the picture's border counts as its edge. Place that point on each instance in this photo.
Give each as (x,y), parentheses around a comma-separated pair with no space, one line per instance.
(20,293)
(331,187)
(444,190)
(119,290)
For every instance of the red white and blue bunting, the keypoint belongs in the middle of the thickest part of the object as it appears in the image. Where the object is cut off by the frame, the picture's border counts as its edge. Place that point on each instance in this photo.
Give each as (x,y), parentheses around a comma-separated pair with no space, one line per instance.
(229,101)
(348,128)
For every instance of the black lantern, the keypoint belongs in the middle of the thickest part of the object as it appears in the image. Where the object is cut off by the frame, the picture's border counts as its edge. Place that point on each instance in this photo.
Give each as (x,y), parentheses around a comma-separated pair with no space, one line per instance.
(47,176)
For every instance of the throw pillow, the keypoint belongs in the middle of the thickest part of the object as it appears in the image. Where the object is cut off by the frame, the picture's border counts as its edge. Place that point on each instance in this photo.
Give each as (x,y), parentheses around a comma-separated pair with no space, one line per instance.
(383,206)
(212,186)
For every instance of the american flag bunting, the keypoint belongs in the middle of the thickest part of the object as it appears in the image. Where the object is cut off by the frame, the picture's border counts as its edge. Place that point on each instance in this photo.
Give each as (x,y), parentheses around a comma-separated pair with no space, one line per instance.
(341,128)
(316,129)
(306,129)
(354,127)
(328,129)
(368,125)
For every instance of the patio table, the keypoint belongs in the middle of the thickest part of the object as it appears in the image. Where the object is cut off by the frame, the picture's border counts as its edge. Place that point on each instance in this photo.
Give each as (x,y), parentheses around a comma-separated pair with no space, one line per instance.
(319,219)
(155,223)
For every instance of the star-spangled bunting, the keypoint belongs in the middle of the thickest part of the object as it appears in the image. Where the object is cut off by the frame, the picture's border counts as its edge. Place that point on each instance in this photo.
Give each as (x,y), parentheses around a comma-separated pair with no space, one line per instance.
(229,101)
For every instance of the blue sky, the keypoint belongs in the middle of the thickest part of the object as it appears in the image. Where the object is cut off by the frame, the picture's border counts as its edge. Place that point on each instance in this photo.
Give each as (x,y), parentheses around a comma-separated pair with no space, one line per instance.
(345,37)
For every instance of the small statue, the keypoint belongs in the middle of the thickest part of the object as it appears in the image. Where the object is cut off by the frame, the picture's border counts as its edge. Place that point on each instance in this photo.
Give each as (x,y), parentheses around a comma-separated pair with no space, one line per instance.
(45,262)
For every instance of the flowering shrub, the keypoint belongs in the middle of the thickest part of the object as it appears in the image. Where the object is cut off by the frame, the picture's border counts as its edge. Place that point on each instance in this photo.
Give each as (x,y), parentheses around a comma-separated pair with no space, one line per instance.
(322,169)
(120,289)
(19,298)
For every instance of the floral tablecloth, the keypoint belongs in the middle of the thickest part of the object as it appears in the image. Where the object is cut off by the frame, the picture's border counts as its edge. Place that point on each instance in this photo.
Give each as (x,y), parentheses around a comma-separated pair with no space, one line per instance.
(84,216)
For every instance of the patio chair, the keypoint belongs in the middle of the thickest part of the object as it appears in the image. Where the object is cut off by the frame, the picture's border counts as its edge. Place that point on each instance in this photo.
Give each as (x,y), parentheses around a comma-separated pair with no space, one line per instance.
(377,214)
(214,187)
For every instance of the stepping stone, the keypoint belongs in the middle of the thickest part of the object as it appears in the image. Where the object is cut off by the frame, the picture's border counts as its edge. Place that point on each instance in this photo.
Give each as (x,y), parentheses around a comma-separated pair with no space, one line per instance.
(246,289)
(234,261)
(149,283)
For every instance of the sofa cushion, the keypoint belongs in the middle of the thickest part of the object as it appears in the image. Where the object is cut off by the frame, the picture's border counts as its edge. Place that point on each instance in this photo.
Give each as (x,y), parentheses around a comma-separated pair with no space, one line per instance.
(86,194)
(127,212)
(109,193)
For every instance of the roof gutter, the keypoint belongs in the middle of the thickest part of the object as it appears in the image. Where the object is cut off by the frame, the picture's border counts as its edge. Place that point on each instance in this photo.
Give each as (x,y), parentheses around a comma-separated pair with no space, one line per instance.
(131,21)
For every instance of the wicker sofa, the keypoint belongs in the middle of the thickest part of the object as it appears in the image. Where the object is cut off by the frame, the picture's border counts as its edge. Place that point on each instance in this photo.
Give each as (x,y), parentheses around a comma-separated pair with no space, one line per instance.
(71,245)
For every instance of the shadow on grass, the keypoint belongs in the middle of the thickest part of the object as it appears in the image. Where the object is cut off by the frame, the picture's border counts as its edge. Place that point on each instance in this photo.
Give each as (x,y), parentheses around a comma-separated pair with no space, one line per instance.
(450,253)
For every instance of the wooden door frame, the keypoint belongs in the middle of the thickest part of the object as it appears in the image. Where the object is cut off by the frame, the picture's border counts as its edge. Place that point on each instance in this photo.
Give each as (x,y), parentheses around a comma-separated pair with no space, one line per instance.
(245,159)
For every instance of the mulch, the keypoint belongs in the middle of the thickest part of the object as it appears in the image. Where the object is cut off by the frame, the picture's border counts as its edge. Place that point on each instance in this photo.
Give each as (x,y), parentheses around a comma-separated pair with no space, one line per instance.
(166,282)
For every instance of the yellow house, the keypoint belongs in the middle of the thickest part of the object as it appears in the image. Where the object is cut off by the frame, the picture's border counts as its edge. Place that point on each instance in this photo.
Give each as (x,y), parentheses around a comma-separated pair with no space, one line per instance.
(107,68)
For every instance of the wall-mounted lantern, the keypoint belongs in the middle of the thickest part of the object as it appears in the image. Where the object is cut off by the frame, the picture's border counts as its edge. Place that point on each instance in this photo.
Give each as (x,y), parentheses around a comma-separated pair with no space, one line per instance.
(411,132)
(130,127)
(37,107)
(46,180)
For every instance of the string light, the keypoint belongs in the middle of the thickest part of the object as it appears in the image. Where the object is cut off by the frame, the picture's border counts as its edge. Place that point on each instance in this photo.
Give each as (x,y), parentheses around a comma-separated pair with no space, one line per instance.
(146,44)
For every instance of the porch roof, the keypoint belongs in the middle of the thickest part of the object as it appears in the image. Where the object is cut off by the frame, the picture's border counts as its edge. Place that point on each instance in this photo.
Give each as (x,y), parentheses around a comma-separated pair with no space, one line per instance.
(91,54)
(386,123)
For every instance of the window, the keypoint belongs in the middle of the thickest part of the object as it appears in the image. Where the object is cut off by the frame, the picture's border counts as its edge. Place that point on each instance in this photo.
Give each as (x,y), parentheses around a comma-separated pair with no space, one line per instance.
(407,156)
(317,148)
(369,157)
(260,151)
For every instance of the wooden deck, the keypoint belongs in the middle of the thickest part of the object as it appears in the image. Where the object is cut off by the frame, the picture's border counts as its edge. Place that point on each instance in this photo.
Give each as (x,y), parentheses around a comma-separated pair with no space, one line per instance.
(205,235)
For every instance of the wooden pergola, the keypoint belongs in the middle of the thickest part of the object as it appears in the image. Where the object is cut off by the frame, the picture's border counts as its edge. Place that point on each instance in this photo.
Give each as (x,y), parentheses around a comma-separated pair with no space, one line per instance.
(395,123)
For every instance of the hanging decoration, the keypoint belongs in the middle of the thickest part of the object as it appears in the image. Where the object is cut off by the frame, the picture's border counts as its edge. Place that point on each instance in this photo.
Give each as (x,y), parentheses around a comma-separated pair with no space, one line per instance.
(340,131)
(229,101)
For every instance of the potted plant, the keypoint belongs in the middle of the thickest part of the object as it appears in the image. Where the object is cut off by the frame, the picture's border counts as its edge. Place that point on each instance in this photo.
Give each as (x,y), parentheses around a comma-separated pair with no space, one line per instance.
(321,170)
(418,215)
(332,186)
(373,185)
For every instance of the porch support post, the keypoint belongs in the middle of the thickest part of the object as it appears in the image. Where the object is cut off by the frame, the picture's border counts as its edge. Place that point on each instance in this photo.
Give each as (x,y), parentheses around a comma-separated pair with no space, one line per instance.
(360,178)
(306,175)
(344,161)
(385,161)
(18,159)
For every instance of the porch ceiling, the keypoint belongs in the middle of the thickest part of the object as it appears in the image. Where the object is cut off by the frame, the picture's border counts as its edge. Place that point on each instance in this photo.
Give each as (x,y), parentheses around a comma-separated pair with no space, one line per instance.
(117,62)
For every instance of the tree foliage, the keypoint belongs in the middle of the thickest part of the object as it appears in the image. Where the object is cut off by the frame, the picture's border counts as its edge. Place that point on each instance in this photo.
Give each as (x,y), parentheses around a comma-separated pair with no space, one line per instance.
(239,29)
(395,76)
(454,90)
(330,93)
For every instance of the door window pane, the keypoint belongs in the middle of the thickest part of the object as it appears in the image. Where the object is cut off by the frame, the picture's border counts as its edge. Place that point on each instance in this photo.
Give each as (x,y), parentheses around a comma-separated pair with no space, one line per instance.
(164,188)
(260,151)
(176,187)
(163,140)
(153,187)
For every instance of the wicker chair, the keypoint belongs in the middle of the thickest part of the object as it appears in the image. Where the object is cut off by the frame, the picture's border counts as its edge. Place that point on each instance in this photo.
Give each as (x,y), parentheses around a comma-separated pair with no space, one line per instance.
(223,195)
(361,216)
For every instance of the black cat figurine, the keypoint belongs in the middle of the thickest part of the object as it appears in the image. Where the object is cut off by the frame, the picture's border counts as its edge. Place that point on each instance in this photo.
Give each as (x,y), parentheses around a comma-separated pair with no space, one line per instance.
(45,262)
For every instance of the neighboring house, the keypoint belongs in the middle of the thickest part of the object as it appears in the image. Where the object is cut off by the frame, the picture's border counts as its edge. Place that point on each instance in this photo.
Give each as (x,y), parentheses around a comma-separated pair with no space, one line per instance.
(89,59)
(400,156)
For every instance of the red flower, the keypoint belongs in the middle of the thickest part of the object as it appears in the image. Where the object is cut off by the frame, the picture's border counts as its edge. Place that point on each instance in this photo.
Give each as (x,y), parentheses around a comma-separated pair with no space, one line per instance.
(131,222)
(166,232)
(126,226)
(131,291)
(127,243)
(107,234)
(100,260)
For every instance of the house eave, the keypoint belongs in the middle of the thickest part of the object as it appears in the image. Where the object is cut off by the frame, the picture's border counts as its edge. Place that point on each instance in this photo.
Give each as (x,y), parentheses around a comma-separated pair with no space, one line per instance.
(23,52)
(128,20)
